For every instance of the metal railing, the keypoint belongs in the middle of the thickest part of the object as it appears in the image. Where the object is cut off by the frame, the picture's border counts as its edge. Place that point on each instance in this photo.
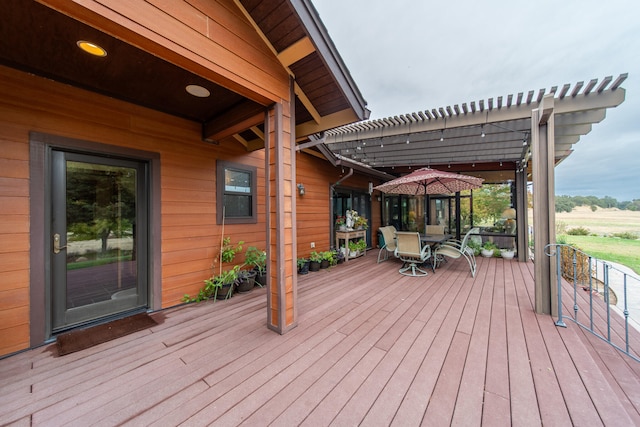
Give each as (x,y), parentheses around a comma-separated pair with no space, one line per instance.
(603,282)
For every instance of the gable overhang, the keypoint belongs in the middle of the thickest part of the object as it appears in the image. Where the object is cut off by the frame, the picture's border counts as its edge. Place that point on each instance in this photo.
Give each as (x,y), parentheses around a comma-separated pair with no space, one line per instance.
(326,94)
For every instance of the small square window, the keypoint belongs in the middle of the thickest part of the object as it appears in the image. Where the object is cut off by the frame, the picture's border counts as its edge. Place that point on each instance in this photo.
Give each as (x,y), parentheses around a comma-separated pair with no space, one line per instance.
(236,192)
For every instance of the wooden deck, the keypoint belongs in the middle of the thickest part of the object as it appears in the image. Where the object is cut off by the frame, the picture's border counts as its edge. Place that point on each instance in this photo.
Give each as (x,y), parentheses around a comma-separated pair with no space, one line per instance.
(372,347)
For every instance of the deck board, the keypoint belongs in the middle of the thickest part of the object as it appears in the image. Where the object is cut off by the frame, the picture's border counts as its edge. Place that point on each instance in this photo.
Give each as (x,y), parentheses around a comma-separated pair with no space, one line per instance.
(372,347)
(524,404)
(470,396)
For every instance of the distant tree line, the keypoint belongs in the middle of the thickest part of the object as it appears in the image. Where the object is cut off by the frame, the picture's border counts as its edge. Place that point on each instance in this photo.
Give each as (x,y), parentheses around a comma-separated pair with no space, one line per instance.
(567,203)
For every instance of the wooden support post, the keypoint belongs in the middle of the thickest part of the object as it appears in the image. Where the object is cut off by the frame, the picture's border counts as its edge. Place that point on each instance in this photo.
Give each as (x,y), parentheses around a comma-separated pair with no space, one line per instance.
(281,239)
(543,156)
(522,207)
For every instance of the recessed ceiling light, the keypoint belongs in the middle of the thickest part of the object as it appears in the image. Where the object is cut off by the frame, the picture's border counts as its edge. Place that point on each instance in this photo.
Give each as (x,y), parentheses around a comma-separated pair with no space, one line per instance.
(91,48)
(198,91)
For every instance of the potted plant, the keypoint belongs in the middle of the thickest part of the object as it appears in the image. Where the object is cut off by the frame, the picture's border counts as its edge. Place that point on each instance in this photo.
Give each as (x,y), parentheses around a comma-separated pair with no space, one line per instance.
(361,223)
(361,246)
(217,287)
(303,266)
(224,283)
(220,286)
(246,280)
(258,259)
(507,253)
(327,259)
(341,223)
(315,259)
(488,249)
(337,258)
(475,246)
(353,248)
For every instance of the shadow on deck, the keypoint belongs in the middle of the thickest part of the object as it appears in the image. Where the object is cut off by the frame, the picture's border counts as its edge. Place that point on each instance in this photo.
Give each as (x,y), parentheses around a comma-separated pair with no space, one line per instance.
(371,347)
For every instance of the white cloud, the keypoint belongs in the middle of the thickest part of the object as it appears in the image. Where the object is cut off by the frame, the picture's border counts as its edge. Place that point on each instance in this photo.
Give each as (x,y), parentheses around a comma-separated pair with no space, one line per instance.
(409,55)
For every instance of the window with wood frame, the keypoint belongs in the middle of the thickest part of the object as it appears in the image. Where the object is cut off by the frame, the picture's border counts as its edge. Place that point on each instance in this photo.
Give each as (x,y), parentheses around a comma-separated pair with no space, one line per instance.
(236,193)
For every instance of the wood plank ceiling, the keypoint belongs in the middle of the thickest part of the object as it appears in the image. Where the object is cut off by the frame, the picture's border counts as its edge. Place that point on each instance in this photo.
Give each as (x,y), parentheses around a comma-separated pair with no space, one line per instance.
(326,95)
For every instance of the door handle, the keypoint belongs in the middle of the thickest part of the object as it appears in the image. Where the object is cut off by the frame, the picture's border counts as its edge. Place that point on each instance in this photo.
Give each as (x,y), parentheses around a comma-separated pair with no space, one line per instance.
(56,244)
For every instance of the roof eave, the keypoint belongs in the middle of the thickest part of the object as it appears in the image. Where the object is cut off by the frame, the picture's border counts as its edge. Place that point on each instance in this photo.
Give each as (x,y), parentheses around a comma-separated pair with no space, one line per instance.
(326,49)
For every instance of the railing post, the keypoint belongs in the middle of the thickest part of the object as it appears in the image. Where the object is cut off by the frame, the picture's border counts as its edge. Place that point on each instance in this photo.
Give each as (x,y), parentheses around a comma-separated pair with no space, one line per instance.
(575,283)
(606,299)
(626,316)
(560,321)
(591,292)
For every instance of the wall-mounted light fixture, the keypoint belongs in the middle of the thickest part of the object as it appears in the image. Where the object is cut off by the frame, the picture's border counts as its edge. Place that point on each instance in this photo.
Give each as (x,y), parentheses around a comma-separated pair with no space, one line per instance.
(301,189)
(370,187)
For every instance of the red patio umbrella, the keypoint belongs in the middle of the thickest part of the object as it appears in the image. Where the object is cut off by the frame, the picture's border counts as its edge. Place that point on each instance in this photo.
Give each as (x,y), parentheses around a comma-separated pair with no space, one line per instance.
(430,181)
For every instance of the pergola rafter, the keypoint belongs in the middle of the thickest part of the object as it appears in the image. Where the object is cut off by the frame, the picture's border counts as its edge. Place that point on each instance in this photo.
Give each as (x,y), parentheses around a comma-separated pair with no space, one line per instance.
(454,135)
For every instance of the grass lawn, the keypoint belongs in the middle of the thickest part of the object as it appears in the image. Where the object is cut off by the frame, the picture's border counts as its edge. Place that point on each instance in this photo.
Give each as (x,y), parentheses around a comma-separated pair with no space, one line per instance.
(622,251)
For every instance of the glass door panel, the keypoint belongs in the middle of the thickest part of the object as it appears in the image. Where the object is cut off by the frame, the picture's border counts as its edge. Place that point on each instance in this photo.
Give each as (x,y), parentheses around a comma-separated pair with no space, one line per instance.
(98,251)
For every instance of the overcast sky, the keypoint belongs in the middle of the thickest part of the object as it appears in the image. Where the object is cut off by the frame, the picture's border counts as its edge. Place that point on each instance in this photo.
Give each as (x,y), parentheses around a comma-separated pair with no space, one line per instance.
(411,55)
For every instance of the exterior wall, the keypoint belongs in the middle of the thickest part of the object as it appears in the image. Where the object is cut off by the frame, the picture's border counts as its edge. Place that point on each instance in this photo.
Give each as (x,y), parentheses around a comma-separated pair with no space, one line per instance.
(215,40)
(313,209)
(190,236)
(211,38)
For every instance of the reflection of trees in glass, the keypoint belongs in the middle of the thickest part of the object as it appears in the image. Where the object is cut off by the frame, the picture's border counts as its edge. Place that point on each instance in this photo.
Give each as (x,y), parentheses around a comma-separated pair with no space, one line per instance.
(489,202)
(465,209)
(100,201)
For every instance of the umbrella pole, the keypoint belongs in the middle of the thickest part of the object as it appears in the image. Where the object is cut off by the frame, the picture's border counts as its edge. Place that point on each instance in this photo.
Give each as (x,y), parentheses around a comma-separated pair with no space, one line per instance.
(426,213)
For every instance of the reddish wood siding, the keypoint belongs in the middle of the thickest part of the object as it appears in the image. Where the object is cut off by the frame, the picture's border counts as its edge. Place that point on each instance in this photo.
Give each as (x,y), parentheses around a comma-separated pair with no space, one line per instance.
(190,236)
(313,209)
(14,232)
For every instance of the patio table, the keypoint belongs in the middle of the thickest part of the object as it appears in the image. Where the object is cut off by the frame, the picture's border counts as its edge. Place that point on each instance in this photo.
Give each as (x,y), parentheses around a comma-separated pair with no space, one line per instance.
(434,239)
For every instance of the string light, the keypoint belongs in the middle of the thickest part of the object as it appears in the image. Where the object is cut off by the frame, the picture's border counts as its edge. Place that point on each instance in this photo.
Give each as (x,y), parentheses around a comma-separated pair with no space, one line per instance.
(442,135)
(482,134)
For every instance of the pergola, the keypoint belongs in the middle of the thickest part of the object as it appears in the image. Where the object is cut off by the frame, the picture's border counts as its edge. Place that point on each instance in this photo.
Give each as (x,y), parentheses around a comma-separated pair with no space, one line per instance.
(527,134)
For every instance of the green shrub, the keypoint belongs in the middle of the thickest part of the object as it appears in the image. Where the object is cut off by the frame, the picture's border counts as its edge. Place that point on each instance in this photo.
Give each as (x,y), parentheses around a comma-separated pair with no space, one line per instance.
(626,235)
(578,231)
